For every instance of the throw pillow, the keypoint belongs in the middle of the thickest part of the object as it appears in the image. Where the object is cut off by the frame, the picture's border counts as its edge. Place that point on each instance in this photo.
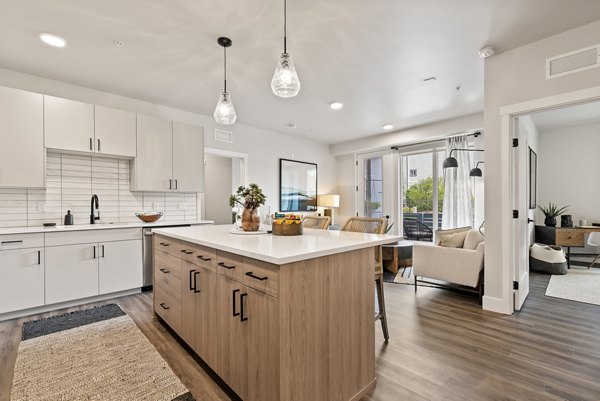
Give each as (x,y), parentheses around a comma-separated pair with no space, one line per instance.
(455,240)
(440,235)
(473,239)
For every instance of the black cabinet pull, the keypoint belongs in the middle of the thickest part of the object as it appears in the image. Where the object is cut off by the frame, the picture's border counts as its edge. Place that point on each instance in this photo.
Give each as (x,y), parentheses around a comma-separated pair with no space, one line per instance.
(186,252)
(170,184)
(102,250)
(196,289)
(233,295)
(39,257)
(164,244)
(242,317)
(175,184)
(250,274)
(164,306)
(164,270)
(192,287)
(99,145)
(203,258)
(225,266)
(94,251)
(91,144)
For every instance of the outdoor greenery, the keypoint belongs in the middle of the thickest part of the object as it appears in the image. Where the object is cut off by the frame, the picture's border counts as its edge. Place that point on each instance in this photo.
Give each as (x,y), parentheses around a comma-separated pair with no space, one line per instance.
(420,195)
(250,197)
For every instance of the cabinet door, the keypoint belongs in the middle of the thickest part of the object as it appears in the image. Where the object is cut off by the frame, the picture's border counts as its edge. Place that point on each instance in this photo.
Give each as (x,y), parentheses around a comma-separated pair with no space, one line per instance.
(189,294)
(115,132)
(119,266)
(230,363)
(22,154)
(206,316)
(188,158)
(21,279)
(261,331)
(153,165)
(68,125)
(71,272)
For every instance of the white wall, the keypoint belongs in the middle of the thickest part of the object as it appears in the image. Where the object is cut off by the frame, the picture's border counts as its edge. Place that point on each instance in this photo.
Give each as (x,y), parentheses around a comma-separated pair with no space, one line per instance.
(263,147)
(346,188)
(568,170)
(512,77)
(218,177)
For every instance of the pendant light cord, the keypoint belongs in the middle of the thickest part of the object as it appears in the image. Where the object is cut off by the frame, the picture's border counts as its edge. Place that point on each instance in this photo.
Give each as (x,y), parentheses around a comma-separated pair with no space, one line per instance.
(285,26)
(224,69)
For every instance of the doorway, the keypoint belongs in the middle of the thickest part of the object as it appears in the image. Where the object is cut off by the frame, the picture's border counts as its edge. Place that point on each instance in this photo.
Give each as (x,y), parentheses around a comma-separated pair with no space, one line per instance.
(224,172)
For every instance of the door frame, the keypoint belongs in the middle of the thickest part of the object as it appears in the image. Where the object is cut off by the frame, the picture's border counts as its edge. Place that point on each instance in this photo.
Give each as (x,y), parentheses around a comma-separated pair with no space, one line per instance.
(388,176)
(229,154)
(507,116)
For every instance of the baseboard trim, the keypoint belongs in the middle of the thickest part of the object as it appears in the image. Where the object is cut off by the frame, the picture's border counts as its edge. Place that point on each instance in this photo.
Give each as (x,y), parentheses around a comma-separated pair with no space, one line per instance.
(67,304)
(498,305)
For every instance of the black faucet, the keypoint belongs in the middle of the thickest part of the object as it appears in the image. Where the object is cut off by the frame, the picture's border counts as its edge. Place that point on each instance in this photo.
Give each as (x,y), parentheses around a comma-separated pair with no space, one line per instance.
(92,217)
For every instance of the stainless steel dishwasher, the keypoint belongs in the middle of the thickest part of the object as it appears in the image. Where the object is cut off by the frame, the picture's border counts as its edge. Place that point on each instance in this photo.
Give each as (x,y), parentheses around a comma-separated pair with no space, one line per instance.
(147,248)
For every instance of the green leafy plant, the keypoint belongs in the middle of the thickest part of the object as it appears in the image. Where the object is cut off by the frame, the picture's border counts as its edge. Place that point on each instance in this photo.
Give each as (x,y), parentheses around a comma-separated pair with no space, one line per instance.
(250,197)
(420,195)
(552,210)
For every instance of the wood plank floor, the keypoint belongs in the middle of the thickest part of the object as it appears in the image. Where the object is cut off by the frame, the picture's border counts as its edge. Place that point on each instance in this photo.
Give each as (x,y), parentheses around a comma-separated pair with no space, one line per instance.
(443,347)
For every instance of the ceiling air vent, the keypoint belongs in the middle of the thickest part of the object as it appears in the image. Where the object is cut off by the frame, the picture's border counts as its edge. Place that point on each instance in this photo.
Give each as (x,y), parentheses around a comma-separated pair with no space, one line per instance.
(572,62)
(223,136)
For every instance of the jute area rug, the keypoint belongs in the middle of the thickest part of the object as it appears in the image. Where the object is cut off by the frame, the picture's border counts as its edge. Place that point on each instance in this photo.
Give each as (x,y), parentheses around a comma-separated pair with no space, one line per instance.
(95,354)
(579,284)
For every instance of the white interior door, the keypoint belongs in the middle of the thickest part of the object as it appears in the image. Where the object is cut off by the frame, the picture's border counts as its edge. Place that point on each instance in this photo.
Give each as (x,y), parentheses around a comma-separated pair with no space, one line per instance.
(372,195)
(521,244)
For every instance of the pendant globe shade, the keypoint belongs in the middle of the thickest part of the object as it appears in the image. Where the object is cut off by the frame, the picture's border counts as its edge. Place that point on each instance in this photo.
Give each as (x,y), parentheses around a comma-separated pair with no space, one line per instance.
(224,112)
(285,82)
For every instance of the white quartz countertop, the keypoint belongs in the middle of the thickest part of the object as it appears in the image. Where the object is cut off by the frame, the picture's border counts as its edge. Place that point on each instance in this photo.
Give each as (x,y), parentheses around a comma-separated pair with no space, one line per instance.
(98,226)
(277,249)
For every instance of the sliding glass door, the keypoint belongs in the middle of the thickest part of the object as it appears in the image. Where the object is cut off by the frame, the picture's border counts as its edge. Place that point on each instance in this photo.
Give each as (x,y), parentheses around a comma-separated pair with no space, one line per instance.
(371,185)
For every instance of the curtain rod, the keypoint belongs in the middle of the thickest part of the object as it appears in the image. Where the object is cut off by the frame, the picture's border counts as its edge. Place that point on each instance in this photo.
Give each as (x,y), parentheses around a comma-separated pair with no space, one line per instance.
(474,134)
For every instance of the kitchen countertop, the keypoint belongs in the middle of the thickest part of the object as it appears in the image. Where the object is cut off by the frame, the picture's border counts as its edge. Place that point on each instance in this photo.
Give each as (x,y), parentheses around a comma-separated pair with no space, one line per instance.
(274,249)
(97,226)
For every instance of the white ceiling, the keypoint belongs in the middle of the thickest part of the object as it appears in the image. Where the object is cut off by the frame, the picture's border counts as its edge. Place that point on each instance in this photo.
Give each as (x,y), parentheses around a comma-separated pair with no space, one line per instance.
(371,55)
(567,116)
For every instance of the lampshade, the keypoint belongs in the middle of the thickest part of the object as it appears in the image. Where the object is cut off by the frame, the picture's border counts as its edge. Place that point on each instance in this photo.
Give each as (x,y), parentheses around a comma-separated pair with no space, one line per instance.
(475,172)
(224,112)
(285,81)
(450,162)
(329,200)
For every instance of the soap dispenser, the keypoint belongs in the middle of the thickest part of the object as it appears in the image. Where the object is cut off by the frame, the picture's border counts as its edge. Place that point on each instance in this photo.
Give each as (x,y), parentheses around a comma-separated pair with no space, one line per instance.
(68,218)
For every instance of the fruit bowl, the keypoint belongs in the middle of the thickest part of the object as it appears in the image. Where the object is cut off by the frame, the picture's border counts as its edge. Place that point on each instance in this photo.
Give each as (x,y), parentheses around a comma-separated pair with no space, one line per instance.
(149,217)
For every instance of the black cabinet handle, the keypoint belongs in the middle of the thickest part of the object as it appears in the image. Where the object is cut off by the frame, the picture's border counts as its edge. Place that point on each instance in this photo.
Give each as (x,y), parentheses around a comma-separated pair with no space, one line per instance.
(203,258)
(164,244)
(99,145)
(175,184)
(186,252)
(242,317)
(164,270)
(196,289)
(39,257)
(164,306)
(250,274)
(94,251)
(91,144)
(192,287)
(234,308)
(102,250)
(170,184)
(225,266)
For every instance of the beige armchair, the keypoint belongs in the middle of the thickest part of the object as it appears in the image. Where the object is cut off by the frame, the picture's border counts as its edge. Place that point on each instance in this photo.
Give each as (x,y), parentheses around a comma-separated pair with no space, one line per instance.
(461,263)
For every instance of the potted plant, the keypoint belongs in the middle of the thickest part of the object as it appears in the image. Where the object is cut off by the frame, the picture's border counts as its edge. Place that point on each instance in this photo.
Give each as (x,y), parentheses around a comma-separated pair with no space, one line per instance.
(552,211)
(250,198)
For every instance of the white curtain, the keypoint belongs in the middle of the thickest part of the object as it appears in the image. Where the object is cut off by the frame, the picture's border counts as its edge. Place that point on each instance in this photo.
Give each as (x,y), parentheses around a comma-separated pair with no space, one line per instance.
(458,192)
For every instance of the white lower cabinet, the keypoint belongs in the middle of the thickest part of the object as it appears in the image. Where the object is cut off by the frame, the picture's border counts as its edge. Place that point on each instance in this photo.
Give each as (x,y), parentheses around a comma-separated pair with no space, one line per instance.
(21,279)
(71,272)
(120,266)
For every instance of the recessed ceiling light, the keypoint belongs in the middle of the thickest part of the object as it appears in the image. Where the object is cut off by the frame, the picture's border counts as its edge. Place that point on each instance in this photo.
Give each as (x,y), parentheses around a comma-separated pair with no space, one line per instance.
(388,126)
(336,105)
(291,125)
(118,43)
(52,40)
(486,52)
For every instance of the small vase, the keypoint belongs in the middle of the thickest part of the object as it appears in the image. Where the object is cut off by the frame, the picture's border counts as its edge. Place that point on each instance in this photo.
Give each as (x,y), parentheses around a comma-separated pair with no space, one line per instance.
(550,221)
(250,220)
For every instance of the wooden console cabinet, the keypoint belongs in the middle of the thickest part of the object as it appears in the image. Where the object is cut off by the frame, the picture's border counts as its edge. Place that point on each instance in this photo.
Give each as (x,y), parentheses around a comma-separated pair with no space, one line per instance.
(299,331)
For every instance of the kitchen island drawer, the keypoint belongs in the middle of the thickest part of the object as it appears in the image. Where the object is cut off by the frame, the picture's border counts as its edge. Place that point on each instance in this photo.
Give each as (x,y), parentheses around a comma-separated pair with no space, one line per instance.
(168,307)
(167,245)
(21,241)
(230,265)
(167,270)
(261,276)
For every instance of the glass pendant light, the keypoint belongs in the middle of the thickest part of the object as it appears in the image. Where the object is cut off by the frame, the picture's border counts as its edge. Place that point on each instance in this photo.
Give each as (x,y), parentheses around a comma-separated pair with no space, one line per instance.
(224,112)
(285,81)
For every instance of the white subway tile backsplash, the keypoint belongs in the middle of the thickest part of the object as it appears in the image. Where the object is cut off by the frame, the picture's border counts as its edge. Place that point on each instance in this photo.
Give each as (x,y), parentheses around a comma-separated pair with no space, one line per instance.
(70,182)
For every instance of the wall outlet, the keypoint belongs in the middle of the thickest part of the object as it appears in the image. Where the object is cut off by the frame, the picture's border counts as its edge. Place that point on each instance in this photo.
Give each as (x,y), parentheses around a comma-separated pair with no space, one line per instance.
(41,206)
(155,205)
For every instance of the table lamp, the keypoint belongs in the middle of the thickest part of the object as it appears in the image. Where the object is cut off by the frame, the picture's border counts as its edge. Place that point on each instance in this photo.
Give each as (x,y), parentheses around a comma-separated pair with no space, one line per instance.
(328,202)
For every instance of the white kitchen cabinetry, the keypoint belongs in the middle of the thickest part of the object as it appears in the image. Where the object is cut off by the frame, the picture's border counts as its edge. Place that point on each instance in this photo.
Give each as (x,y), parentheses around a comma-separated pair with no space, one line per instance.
(188,157)
(71,272)
(22,154)
(21,272)
(170,156)
(153,166)
(115,132)
(68,125)
(120,266)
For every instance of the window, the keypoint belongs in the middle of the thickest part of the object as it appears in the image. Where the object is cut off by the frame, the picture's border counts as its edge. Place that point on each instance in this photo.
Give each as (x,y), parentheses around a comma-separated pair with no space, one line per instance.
(413,172)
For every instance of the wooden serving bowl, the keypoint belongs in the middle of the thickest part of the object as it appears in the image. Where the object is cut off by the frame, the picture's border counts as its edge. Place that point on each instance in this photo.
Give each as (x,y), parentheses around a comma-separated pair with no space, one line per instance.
(287,229)
(149,217)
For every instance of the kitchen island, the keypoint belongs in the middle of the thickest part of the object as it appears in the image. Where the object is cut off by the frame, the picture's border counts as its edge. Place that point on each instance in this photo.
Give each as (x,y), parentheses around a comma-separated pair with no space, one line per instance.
(277,318)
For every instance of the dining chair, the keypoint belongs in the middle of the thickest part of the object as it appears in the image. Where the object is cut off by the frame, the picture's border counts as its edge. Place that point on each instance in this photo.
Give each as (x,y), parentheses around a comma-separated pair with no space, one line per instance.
(373,226)
(317,222)
(594,240)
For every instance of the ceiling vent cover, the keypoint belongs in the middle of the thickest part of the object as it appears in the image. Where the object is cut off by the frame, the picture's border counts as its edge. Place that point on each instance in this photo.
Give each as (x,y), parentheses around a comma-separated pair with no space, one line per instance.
(572,62)
(223,136)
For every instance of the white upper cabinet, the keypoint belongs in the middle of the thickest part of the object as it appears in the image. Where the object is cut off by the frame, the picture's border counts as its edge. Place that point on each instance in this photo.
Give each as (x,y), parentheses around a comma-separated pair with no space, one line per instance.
(153,165)
(68,125)
(114,132)
(22,154)
(188,157)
